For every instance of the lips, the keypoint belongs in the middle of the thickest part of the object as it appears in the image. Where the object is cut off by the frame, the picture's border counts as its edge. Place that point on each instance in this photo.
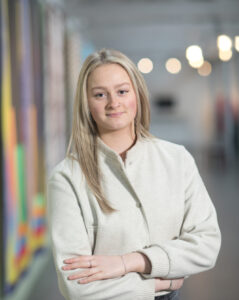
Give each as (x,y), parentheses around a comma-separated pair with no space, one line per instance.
(114,115)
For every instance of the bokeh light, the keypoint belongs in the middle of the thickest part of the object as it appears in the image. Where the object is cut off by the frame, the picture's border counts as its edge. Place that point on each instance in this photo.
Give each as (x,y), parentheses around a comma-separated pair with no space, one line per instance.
(194,56)
(205,69)
(225,55)
(173,65)
(197,63)
(194,53)
(237,42)
(224,42)
(145,65)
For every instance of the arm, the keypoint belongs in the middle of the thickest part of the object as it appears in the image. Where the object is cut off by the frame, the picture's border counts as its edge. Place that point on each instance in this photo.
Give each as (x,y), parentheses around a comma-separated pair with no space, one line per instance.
(168,285)
(197,247)
(111,266)
(69,238)
(138,262)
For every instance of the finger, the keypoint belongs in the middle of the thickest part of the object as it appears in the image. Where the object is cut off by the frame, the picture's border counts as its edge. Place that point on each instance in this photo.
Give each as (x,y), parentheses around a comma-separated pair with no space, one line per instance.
(91,278)
(77,258)
(77,265)
(83,274)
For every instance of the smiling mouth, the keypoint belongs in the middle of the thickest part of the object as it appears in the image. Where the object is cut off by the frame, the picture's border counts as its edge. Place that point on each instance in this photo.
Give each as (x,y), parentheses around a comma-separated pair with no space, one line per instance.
(113,115)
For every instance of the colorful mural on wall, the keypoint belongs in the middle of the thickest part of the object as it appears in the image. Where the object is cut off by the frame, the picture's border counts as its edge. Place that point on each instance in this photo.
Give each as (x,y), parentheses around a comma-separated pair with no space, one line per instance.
(40,59)
(22,189)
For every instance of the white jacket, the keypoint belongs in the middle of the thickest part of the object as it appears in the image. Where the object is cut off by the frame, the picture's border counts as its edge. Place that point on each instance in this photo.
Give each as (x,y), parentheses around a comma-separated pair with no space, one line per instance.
(164,211)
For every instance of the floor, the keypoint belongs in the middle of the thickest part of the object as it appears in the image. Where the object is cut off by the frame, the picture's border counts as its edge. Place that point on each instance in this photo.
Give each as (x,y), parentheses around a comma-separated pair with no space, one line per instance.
(222,182)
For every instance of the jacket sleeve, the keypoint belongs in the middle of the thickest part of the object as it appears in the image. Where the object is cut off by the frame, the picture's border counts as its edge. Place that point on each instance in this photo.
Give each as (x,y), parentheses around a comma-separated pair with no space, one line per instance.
(68,238)
(197,247)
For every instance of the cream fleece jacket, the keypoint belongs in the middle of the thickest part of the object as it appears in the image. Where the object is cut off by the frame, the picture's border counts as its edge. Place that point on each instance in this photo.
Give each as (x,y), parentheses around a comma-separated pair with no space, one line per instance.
(164,212)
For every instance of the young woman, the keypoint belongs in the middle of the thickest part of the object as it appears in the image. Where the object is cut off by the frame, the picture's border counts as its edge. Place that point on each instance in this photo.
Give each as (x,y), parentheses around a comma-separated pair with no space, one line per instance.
(128,214)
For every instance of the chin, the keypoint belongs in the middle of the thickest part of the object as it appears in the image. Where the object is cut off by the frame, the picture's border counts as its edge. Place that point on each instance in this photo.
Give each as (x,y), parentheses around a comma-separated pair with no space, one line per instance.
(116,128)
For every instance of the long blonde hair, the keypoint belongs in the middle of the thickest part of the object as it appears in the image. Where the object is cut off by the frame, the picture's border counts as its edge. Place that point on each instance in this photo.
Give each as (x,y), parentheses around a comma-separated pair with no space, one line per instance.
(83,139)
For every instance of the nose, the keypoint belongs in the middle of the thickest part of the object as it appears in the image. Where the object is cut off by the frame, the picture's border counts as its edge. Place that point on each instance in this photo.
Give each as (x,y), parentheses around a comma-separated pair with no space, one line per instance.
(113,101)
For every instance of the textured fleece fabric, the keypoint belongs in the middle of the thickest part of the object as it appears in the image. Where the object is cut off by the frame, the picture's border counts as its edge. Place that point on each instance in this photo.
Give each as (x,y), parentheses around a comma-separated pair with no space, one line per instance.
(163,211)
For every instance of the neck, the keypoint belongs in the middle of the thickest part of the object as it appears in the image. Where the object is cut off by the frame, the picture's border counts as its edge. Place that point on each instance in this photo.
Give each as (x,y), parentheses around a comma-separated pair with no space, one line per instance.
(120,142)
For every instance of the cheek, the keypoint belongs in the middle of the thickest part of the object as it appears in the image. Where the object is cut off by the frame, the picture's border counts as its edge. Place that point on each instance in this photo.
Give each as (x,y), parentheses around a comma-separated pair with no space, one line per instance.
(96,111)
(133,105)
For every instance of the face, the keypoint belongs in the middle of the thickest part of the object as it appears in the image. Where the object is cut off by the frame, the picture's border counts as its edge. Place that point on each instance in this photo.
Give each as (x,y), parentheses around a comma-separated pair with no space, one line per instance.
(112,99)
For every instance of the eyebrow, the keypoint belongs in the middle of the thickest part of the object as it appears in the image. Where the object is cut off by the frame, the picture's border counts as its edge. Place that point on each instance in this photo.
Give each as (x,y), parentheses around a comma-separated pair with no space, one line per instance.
(102,87)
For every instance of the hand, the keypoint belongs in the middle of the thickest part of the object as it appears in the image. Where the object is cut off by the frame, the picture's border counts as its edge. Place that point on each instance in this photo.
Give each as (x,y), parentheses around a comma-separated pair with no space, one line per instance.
(96,267)
(164,284)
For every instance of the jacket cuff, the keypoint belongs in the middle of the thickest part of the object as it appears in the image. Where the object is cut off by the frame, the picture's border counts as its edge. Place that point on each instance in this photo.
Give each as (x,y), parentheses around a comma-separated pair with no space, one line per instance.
(146,290)
(159,261)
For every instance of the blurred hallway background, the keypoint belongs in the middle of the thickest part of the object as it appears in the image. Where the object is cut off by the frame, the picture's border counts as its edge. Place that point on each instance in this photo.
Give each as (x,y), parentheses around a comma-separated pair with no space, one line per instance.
(194,97)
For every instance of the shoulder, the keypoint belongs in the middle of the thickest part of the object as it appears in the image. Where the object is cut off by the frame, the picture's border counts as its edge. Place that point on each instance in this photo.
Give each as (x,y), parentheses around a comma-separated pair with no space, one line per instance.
(66,170)
(164,146)
(168,150)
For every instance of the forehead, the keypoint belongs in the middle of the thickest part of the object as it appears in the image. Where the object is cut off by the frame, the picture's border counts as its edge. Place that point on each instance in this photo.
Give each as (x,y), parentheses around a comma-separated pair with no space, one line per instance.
(108,74)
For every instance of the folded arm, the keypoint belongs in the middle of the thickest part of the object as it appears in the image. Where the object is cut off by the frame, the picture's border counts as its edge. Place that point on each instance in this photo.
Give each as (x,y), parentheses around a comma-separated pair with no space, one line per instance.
(69,239)
(197,247)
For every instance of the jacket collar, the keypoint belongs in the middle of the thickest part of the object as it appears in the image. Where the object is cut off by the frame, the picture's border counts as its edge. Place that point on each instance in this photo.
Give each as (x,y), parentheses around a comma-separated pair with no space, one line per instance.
(132,154)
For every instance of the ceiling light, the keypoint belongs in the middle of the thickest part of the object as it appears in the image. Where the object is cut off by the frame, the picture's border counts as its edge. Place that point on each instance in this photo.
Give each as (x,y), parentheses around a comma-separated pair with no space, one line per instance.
(145,65)
(196,64)
(237,42)
(205,69)
(224,42)
(225,55)
(194,53)
(173,65)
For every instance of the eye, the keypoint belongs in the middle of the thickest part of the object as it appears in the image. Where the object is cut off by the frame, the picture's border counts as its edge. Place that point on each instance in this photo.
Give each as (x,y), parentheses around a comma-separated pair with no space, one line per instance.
(99,95)
(122,92)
